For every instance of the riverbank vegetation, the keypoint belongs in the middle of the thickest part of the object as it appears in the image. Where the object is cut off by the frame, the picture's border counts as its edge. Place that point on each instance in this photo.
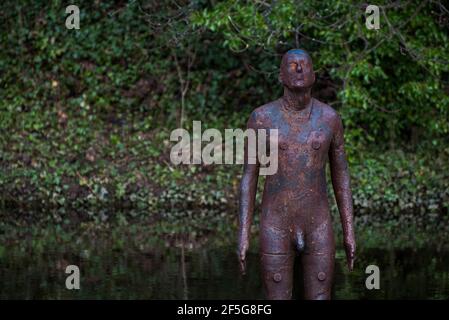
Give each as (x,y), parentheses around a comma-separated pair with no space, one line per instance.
(86,115)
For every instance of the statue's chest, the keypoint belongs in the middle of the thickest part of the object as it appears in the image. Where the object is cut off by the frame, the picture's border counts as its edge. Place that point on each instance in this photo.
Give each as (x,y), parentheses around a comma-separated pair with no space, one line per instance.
(303,138)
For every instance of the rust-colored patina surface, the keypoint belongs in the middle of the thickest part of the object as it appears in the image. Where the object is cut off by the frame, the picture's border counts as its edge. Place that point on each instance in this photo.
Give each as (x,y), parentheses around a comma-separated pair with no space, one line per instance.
(295,217)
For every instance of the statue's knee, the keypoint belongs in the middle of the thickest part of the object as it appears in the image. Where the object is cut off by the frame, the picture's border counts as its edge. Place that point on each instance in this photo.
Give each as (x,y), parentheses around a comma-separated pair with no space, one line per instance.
(321,276)
(319,288)
(277,277)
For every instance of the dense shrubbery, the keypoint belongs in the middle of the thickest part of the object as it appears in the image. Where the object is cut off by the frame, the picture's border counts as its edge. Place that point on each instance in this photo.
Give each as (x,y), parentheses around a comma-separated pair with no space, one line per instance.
(394,184)
(85,115)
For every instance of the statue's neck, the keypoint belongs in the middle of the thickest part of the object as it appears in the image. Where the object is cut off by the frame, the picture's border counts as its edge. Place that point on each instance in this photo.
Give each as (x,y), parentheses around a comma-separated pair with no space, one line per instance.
(297,99)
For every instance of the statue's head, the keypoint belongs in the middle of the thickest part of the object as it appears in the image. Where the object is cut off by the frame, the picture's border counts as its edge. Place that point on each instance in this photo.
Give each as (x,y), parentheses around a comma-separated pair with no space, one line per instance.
(296,70)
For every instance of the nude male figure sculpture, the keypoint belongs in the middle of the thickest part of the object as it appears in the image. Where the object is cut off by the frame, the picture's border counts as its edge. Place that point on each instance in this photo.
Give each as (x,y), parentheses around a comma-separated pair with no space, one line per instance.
(295,216)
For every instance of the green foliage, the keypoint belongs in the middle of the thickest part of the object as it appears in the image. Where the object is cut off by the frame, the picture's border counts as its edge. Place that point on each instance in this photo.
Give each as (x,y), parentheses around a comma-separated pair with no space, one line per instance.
(85,115)
(391,82)
(398,186)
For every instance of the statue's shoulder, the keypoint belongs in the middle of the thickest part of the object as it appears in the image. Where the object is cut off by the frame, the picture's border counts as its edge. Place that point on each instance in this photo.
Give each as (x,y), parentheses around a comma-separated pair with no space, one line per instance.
(262,116)
(326,111)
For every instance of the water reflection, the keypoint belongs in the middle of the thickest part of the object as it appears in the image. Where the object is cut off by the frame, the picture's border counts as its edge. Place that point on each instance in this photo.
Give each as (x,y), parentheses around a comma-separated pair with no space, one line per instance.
(207,273)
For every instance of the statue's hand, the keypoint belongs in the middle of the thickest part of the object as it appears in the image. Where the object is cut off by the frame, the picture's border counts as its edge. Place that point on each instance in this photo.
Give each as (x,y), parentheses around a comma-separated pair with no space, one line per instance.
(349,244)
(241,253)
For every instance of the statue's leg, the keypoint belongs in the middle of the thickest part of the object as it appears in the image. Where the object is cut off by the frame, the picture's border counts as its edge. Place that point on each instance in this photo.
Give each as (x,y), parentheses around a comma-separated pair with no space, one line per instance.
(318,262)
(318,275)
(277,274)
(277,258)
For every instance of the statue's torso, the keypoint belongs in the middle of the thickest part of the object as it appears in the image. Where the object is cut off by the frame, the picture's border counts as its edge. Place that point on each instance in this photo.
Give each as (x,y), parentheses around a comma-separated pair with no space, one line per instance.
(304,140)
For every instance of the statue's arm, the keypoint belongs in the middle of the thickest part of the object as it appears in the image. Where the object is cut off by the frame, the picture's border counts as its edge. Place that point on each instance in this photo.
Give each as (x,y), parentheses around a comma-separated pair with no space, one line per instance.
(342,188)
(248,189)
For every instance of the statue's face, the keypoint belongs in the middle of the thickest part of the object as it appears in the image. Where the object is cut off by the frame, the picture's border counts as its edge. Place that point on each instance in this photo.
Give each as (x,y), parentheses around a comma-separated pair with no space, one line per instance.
(297,70)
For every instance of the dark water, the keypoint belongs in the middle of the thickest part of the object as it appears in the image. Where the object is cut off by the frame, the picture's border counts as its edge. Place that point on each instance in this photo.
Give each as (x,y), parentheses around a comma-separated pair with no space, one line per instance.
(207,273)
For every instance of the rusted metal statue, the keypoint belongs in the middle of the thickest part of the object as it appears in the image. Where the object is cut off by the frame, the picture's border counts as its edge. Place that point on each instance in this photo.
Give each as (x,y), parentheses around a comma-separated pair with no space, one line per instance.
(295,211)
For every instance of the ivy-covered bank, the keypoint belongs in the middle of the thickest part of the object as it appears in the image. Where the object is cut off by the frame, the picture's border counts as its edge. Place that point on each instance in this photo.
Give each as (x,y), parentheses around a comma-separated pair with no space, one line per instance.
(390,186)
(86,115)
